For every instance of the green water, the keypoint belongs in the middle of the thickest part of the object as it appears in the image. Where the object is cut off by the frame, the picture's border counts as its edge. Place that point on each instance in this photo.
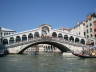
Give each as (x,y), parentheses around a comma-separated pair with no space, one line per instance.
(46,63)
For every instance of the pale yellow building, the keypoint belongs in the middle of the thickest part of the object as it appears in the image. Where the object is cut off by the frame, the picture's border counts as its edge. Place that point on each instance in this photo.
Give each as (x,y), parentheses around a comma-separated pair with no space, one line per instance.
(87,29)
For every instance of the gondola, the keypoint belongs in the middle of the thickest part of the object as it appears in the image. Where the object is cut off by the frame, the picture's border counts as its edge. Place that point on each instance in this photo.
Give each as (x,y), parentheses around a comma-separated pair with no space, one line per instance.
(83,56)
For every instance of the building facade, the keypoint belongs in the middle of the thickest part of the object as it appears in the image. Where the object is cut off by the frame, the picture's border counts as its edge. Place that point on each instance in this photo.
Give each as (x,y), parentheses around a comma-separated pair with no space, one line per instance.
(4,32)
(87,29)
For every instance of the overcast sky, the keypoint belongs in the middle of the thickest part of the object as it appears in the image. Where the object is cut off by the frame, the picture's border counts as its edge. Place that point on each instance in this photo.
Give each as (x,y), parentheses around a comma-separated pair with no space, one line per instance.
(21,15)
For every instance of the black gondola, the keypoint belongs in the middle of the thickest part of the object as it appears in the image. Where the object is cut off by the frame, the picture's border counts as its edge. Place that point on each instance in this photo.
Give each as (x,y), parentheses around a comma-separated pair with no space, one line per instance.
(84,56)
(89,52)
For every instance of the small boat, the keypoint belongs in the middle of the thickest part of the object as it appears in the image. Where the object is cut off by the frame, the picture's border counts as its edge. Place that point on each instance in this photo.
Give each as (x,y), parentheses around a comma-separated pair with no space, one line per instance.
(89,52)
(84,56)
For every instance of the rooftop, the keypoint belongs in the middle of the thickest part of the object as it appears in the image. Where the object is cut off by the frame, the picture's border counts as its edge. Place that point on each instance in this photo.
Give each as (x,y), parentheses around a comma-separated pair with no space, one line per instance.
(64,28)
(91,15)
(5,29)
(44,25)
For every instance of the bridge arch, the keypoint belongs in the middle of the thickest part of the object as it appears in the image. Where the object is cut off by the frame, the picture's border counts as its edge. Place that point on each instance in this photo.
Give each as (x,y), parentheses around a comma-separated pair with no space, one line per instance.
(24,37)
(77,40)
(82,41)
(61,47)
(30,36)
(18,38)
(60,35)
(66,37)
(54,34)
(71,38)
(11,40)
(5,41)
(36,34)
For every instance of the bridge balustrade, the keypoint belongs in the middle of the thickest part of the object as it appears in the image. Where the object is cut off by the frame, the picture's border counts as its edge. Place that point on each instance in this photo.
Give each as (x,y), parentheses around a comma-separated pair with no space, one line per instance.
(49,39)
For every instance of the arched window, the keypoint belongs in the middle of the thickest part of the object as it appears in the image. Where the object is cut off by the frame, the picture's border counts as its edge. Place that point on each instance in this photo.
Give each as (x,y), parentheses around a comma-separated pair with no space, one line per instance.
(66,37)
(45,30)
(60,35)
(24,38)
(18,39)
(54,34)
(71,38)
(5,41)
(77,40)
(11,40)
(36,34)
(30,36)
(82,41)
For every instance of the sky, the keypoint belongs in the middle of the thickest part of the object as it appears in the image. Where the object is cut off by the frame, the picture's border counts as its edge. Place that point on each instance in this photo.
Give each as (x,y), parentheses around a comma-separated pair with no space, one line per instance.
(21,15)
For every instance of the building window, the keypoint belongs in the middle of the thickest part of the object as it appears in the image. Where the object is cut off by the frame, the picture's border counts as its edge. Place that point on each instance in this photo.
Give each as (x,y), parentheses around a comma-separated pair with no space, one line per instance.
(4,34)
(94,30)
(90,29)
(87,30)
(87,36)
(94,22)
(83,24)
(1,33)
(90,24)
(91,35)
(84,33)
(95,35)
(45,30)
(86,25)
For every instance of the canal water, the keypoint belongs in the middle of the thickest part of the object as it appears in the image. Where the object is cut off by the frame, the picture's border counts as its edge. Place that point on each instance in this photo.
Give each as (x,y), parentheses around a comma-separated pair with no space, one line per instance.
(46,63)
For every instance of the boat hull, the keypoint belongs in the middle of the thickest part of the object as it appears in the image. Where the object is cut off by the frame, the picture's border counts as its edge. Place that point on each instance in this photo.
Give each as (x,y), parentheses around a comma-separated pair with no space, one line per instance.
(88,56)
(84,56)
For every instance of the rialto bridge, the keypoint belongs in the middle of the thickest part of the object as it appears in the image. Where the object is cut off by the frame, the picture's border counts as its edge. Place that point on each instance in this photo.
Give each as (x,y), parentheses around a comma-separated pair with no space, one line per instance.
(63,39)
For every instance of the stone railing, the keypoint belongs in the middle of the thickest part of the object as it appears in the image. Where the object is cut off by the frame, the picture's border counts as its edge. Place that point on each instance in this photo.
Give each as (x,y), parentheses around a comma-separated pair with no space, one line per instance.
(45,39)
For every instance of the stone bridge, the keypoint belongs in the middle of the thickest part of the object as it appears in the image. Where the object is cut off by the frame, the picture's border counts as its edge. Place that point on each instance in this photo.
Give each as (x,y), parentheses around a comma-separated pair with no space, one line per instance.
(45,34)
(60,43)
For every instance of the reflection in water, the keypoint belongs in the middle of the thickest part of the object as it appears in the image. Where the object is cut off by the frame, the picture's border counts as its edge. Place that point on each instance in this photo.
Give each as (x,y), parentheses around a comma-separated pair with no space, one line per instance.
(46,63)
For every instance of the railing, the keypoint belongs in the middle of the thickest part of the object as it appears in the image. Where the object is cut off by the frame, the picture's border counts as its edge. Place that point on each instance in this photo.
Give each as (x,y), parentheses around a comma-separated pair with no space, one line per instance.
(45,39)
